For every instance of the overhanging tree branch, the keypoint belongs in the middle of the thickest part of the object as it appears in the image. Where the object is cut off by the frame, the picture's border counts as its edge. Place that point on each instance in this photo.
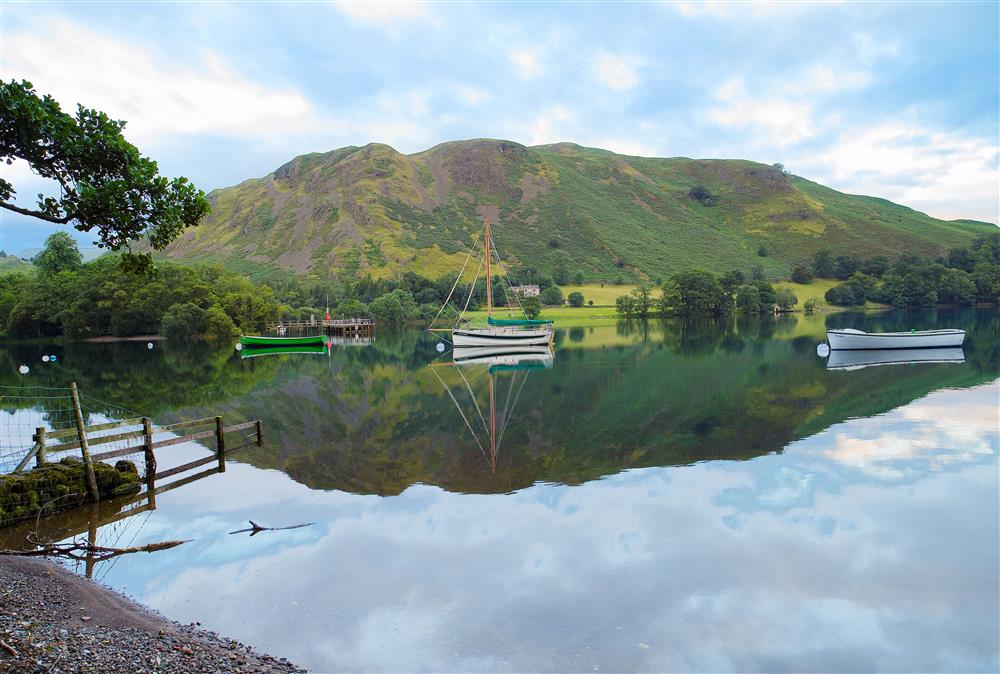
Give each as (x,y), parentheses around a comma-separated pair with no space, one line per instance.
(37,214)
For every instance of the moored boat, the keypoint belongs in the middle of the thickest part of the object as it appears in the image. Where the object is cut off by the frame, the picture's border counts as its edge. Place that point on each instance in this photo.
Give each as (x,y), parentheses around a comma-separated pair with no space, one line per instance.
(849,339)
(263,341)
(498,332)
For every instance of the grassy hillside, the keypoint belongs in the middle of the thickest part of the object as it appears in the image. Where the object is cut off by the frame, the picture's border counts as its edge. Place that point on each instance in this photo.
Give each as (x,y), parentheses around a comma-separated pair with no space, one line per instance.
(373,210)
(13,263)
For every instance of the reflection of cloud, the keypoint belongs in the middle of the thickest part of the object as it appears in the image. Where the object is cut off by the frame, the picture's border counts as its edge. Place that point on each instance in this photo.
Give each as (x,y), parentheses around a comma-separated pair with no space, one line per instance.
(943,429)
(638,571)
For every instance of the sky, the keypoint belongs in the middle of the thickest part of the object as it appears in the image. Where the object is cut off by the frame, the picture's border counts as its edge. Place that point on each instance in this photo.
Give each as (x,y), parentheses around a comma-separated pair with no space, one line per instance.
(897,100)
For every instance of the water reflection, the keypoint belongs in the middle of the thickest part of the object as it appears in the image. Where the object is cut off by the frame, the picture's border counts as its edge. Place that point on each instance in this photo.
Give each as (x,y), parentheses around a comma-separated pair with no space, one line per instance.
(855,360)
(852,526)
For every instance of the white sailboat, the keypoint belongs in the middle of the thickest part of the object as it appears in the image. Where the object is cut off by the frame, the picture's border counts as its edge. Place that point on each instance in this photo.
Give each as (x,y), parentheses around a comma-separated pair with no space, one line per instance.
(498,332)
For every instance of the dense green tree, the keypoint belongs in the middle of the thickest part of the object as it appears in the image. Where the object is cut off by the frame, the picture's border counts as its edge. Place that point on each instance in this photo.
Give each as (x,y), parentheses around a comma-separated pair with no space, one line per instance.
(642,300)
(845,265)
(801,274)
(823,263)
(841,295)
(183,321)
(561,274)
(104,182)
(748,299)
(757,274)
(625,305)
(697,292)
(786,299)
(575,299)
(732,279)
(552,296)
(60,253)
(531,306)
(395,308)
(768,297)
(876,266)
(578,279)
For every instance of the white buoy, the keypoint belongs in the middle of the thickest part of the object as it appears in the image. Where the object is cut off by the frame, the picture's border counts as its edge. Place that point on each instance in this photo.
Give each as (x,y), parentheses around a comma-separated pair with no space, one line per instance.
(45,359)
(239,346)
(822,349)
(149,345)
(440,347)
(24,369)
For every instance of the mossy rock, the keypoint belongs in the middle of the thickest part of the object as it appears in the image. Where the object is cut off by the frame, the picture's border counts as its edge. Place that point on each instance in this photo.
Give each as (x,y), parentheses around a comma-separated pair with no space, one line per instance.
(59,486)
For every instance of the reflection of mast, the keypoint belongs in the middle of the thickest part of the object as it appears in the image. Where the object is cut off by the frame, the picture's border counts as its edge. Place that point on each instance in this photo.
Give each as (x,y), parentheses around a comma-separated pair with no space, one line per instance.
(515,360)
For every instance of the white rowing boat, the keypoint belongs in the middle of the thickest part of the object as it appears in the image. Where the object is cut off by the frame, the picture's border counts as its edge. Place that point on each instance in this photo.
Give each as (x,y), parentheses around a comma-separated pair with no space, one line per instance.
(849,339)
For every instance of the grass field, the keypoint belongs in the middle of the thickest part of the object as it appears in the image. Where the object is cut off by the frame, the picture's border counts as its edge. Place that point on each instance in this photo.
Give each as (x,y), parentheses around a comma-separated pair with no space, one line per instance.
(603,296)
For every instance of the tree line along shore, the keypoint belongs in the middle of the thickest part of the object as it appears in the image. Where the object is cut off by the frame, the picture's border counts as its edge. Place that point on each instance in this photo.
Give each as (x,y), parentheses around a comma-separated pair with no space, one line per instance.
(62,296)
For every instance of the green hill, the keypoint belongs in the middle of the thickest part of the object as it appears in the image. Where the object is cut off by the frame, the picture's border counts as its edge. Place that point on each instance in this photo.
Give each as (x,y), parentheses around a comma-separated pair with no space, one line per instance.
(373,210)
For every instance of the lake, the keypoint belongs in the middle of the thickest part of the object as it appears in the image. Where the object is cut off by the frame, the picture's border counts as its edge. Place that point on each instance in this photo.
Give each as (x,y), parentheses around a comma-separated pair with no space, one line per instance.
(679,496)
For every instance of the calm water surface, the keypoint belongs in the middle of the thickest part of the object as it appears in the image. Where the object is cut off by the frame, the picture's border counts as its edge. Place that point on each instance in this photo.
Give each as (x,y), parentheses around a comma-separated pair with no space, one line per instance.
(681,496)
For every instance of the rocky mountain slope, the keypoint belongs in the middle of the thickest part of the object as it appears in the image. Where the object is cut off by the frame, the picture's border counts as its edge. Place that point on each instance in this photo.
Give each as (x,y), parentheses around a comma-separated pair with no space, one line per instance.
(373,210)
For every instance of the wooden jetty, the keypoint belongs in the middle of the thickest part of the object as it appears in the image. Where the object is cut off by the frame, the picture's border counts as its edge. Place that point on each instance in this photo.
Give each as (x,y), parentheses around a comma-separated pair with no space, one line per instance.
(349,328)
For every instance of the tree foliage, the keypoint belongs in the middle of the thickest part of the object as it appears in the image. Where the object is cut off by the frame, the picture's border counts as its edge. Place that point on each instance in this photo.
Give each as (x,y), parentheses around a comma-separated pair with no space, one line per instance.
(60,253)
(104,183)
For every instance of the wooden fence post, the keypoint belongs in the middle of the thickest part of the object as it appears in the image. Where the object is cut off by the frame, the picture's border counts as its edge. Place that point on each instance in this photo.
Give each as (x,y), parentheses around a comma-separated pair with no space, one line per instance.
(84,447)
(40,441)
(220,440)
(260,433)
(147,432)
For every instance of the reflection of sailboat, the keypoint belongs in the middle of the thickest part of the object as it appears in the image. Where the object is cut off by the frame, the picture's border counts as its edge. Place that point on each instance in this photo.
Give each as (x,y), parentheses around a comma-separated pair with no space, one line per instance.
(514,361)
(855,360)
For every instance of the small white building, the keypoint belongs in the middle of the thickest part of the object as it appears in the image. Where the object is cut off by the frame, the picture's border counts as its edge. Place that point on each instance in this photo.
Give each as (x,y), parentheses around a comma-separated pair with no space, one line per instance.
(526,291)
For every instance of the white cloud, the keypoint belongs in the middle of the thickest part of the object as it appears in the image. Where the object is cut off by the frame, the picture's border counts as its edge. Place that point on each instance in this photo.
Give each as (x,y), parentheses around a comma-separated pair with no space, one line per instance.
(386,14)
(527,63)
(550,126)
(947,175)
(156,97)
(823,79)
(693,9)
(616,72)
(472,95)
(784,121)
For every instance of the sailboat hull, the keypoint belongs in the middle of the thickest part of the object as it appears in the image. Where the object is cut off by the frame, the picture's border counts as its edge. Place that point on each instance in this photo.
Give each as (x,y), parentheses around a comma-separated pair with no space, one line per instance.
(500,337)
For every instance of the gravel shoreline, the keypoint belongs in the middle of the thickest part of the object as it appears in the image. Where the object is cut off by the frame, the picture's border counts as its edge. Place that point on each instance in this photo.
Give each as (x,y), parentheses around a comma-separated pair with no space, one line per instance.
(57,621)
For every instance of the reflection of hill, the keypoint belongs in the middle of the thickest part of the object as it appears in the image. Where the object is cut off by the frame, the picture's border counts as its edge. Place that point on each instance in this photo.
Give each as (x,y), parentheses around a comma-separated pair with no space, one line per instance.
(366,422)
(375,420)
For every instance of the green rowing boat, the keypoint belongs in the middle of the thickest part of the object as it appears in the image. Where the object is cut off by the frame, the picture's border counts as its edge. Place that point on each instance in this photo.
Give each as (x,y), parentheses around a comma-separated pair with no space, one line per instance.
(261,341)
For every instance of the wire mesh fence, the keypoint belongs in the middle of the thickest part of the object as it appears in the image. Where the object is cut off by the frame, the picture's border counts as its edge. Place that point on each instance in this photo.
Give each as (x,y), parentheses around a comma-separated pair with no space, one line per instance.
(25,409)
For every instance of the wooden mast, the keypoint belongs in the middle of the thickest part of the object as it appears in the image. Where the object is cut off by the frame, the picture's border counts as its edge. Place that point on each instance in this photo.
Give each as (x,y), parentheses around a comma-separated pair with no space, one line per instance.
(489,278)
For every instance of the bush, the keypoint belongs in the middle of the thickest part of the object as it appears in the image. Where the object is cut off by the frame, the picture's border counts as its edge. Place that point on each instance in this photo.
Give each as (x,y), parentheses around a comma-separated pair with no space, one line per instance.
(809,305)
(218,325)
(702,195)
(575,299)
(801,274)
